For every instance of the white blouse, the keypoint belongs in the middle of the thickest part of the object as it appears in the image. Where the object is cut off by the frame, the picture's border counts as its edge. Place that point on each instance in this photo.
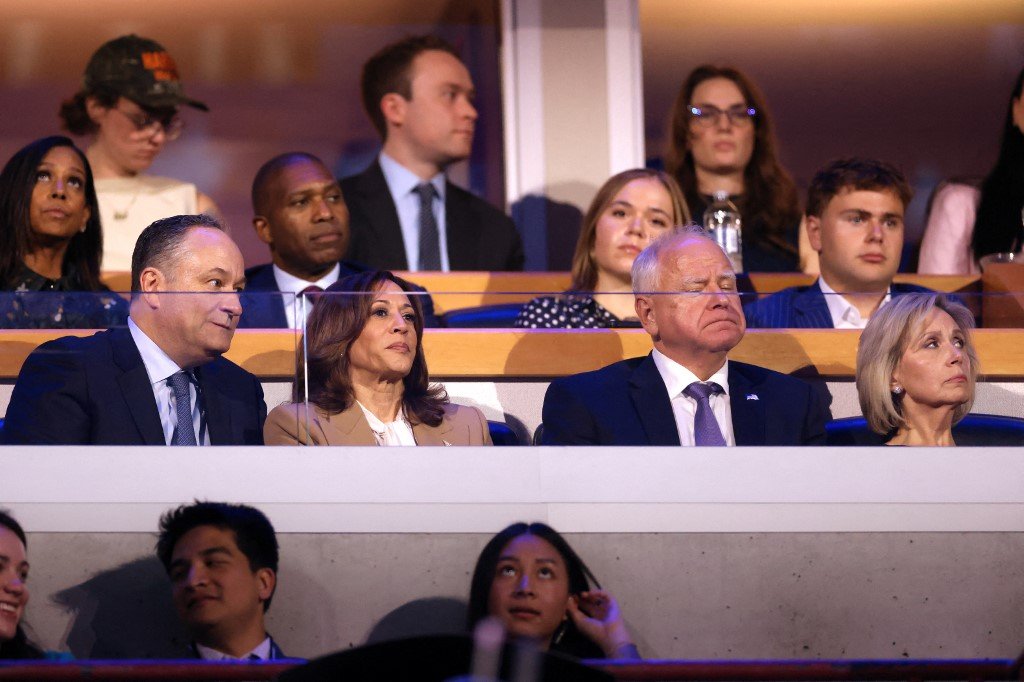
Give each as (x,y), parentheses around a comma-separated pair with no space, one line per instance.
(398,432)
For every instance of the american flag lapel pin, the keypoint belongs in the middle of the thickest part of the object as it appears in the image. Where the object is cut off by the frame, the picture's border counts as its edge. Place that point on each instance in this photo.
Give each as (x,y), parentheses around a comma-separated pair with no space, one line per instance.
(752,396)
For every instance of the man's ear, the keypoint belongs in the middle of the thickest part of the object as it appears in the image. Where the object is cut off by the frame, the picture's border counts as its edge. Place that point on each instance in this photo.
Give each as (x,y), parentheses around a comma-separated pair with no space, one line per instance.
(266,581)
(814,232)
(645,313)
(393,106)
(151,282)
(262,227)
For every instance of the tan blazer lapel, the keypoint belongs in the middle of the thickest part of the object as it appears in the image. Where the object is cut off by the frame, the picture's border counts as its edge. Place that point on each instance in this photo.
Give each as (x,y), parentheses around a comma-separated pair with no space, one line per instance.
(433,435)
(349,428)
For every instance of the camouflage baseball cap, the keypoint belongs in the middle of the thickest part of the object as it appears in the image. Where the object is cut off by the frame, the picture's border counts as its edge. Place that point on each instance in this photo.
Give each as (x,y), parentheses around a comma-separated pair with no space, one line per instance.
(139,69)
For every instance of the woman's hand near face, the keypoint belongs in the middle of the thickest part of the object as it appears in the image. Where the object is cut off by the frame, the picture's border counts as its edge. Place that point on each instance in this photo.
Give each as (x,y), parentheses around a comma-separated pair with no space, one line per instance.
(596,614)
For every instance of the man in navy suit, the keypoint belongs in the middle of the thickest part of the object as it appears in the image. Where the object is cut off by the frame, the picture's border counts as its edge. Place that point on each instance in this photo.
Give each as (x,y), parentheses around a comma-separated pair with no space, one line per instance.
(301,215)
(222,562)
(161,380)
(854,221)
(687,391)
(405,215)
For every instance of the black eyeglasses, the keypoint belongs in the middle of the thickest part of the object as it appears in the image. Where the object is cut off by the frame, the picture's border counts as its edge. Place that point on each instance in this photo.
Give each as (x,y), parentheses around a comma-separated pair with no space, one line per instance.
(148,125)
(708,115)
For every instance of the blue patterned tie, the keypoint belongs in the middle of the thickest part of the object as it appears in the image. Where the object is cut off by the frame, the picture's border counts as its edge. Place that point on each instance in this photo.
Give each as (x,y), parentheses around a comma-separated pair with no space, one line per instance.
(430,245)
(705,426)
(184,432)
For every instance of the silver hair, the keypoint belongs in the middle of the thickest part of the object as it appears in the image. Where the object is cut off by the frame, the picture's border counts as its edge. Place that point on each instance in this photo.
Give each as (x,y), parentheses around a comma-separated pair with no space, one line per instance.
(644,274)
(882,344)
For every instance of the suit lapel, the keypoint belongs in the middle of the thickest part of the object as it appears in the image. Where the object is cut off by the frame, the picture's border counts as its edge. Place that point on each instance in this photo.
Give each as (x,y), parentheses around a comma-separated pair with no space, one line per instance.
(748,419)
(216,405)
(463,236)
(265,303)
(351,427)
(433,435)
(382,216)
(811,311)
(136,388)
(653,404)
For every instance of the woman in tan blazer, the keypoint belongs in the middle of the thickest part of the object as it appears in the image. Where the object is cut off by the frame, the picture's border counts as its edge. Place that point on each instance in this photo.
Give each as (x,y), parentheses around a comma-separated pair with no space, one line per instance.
(367,377)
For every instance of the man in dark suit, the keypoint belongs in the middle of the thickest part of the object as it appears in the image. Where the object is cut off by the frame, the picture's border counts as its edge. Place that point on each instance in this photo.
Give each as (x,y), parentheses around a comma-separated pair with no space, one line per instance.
(405,215)
(301,215)
(686,391)
(162,380)
(854,221)
(222,561)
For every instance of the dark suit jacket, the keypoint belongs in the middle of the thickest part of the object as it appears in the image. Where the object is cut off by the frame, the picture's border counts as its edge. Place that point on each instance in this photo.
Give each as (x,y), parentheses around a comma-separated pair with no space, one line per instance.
(95,391)
(266,311)
(627,404)
(803,307)
(480,237)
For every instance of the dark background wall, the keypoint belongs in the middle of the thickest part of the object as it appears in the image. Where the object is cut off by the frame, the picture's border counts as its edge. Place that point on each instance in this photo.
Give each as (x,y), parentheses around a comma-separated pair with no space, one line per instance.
(921,83)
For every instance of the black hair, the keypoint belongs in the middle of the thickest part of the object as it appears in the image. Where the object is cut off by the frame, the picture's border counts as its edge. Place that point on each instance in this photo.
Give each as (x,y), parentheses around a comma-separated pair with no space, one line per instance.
(269,171)
(998,224)
(570,641)
(254,534)
(161,242)
(17,180)
(18,646)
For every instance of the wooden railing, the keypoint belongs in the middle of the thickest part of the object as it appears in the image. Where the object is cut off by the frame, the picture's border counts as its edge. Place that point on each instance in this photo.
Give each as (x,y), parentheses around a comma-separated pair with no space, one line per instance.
(662,671)
(528,353)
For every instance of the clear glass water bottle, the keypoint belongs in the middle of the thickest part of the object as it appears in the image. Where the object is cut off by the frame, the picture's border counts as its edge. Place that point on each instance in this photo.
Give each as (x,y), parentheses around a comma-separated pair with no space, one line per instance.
(723,222)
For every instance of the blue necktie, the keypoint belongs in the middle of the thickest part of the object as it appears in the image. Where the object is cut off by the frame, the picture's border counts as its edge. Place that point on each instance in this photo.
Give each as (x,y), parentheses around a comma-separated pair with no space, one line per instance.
(430,245)
(184,432)
(705,426)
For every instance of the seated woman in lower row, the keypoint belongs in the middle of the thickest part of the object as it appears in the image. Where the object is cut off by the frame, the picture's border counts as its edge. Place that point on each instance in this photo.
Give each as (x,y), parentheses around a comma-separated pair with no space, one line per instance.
(916,369)
(630,210)
(51,243)
(367,375)
(530,579)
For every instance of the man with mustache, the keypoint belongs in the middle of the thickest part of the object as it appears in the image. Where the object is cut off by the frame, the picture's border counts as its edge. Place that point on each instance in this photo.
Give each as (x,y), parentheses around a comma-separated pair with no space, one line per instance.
(405,215)
(687,391)
(163,380)
(222,562)
(855,213)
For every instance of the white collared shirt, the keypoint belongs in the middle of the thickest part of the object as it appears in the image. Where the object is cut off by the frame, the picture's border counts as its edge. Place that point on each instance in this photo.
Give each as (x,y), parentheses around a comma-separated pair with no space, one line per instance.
(160,368)
(684,408)
(398,432)
(261,652)
(290,284)
(844,314)
(402,184)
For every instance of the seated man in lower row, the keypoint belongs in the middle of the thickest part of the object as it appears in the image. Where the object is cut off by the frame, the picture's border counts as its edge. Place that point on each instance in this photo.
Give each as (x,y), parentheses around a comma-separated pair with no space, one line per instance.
(222,562)
(855,211)
(687,391)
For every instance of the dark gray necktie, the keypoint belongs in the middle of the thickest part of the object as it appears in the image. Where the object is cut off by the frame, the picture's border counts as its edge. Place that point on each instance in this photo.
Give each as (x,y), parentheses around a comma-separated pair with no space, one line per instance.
(184,431)
(430,245)
(705,426)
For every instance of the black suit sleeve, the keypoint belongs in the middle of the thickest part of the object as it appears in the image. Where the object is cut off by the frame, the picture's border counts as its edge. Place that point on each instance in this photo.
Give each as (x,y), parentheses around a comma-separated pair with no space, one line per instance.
(49,402)
(818,414)
(261,414)
(567,421)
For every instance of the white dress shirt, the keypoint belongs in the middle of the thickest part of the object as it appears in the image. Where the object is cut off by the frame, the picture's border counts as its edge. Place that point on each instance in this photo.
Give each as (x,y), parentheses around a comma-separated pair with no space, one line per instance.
(684,408)
(402,184)
(261,652)
(290,284)
(398,432)
(160,367)
(844,314)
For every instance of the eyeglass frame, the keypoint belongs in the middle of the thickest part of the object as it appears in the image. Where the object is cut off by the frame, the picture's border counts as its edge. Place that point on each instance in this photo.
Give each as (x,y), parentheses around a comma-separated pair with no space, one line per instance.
(739,115)
(148,125)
